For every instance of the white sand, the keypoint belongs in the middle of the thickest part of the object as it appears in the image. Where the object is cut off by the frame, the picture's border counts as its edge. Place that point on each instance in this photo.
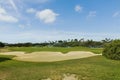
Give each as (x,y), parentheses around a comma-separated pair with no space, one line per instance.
(49,56)
(66,77)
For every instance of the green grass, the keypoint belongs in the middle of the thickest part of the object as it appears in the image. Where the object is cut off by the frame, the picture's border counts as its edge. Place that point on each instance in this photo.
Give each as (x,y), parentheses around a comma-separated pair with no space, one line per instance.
(55,49)
(93,68)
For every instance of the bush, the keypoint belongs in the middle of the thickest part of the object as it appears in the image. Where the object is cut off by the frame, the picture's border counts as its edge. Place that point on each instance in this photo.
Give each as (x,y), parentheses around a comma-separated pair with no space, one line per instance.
(2,44)
(112,50)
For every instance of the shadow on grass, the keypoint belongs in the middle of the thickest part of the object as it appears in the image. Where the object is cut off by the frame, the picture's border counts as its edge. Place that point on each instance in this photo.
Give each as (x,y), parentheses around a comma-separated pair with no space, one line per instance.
(2,59)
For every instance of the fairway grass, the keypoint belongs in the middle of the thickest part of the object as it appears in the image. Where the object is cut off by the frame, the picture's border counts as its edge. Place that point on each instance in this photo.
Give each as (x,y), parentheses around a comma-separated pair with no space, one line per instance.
(92,68)
(55,49)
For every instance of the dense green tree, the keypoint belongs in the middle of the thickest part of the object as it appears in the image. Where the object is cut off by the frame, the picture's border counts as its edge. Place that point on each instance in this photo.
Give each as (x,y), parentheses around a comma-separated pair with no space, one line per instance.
(65,43)
(2,44)
(112,50)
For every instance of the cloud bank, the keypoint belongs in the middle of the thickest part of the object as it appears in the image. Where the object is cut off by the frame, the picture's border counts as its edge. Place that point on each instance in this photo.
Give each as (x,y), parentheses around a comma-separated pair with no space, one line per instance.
(5,17)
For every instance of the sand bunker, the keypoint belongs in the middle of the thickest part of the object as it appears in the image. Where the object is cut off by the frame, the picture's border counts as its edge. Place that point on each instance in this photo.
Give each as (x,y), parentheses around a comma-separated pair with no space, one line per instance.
(49,56)
(65,77)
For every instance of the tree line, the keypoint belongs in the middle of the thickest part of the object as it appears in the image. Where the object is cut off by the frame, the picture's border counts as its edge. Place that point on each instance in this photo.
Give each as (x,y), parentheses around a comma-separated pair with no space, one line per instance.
(62,43)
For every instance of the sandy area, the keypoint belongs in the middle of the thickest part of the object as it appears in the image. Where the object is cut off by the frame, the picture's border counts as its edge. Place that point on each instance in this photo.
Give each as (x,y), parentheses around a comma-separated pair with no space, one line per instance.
(65,77)
(49,56)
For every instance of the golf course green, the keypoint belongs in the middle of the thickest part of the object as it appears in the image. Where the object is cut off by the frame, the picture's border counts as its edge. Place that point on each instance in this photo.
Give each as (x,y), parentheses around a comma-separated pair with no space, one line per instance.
(92,68)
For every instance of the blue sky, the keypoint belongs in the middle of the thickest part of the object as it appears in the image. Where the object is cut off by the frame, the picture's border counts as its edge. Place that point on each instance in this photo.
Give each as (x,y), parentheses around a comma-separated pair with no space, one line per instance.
(47,20)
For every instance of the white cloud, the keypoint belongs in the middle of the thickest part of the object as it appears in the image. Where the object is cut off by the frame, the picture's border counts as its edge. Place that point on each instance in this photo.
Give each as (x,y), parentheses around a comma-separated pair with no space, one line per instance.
(13,5)
(9,4)
(78,8)
(92,14)
(41,1)
(47,16)
(36,1)
(21,26)
(30,10)
(2,11)
(5,17)
(116,14)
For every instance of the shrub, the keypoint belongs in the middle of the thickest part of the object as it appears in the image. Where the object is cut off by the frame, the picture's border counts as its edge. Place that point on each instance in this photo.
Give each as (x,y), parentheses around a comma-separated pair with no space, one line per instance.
(2,44)
(112,50)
